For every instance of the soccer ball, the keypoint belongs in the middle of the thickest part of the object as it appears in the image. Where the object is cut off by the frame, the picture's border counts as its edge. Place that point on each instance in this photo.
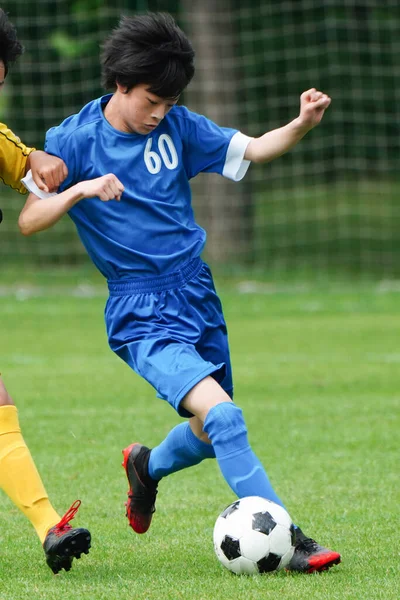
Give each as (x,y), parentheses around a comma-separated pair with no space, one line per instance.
(254,535)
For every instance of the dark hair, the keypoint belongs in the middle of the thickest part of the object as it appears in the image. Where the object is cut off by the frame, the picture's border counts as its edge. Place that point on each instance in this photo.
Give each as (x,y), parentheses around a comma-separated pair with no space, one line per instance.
(10,48)
(150,49)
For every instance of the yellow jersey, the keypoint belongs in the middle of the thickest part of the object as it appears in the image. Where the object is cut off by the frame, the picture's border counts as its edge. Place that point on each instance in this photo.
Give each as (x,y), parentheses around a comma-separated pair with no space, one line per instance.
(13,158)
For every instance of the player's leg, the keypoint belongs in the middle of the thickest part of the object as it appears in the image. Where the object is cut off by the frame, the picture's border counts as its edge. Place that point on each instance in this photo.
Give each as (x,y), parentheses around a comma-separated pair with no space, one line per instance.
(180,372)
(180,449)
(144,467)
(19,477)
(157,360)
(20,480)
(212,396)
(224,425)
(219,420)
(162,350)
(187,444)
(192,392)
(174,359)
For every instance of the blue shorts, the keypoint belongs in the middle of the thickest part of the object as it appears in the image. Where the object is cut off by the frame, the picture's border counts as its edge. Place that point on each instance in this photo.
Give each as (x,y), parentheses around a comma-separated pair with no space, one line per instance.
(171,330)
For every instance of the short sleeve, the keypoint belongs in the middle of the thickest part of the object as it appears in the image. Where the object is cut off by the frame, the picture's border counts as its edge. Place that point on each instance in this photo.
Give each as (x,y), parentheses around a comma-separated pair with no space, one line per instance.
(209,148)
(62,145)
(13,159)
(51,144)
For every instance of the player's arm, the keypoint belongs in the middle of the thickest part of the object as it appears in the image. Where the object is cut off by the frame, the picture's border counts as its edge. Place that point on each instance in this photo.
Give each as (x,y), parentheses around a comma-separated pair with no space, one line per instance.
(275,143)
(16,160)
(41,213)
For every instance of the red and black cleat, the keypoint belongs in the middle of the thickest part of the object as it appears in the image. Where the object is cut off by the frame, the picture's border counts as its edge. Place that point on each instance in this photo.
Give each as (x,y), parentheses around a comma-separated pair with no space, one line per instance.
(310,557)
(63,543)
(142,489)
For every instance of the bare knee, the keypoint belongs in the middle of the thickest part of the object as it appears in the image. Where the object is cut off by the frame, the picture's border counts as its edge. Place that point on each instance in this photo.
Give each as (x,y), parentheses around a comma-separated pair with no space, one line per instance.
(202,397)
(5,398)
(197,427)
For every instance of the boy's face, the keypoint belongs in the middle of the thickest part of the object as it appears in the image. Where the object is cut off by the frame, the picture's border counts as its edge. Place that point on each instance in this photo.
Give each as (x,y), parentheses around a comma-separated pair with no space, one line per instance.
(139,111)
(2,75)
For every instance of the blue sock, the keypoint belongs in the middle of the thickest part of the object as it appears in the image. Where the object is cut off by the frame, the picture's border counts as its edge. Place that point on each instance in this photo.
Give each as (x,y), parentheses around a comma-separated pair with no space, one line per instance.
(180,449)
(239,465)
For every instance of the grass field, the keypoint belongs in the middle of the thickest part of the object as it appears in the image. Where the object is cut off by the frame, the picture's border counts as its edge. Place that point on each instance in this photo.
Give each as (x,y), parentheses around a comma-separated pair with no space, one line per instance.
(317,374)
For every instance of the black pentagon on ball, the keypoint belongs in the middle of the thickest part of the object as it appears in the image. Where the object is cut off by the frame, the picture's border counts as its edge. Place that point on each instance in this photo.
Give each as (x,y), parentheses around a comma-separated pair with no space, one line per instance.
(263,522)
(268,563)
(230,509)
(230,547)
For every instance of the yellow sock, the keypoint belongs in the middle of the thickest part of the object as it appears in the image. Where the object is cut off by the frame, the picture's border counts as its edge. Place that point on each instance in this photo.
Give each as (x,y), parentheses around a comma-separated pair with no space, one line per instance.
(19,477)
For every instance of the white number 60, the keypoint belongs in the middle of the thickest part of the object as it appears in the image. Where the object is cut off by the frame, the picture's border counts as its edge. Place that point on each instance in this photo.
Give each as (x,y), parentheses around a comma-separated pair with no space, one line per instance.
(169,158)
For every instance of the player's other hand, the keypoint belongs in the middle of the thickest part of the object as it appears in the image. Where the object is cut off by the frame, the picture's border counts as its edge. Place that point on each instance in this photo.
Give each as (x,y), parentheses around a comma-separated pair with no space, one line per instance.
(48,171)
(313,104)
(107,187)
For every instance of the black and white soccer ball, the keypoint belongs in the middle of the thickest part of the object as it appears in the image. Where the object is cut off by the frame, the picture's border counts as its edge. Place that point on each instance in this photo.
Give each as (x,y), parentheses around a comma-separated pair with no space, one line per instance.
(254,535)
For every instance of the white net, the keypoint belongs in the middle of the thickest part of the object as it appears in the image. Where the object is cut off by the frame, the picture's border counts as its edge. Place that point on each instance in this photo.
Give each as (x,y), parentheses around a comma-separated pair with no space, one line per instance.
(58,73)
(329,204)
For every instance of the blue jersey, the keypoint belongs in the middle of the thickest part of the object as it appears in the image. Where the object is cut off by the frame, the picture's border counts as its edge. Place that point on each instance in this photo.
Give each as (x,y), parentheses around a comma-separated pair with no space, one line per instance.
(152,230)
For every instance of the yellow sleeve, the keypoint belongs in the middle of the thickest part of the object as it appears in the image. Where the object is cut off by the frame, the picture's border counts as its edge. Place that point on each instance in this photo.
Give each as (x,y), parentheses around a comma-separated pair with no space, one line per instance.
(13,157)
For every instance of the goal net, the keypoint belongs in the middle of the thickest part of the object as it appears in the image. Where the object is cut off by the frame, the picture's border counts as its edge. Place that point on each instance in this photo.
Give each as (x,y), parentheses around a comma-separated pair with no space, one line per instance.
(328,205)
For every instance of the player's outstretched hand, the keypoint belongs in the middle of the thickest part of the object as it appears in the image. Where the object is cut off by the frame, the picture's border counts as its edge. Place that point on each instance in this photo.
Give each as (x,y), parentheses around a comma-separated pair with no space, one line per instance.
(107,187)
(313,104)
(48,171)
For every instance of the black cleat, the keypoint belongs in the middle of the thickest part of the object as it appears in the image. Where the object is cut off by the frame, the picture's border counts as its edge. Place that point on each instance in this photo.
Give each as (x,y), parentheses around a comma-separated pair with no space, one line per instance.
(142,489)
(309,556)
(63,543)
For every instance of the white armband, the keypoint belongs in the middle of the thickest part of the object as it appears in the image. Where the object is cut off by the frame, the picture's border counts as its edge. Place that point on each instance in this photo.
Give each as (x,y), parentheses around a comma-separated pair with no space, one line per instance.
(236,166)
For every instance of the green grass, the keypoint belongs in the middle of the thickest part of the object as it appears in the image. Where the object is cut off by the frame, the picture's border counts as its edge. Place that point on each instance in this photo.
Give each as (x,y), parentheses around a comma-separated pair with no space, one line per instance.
(317,374)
